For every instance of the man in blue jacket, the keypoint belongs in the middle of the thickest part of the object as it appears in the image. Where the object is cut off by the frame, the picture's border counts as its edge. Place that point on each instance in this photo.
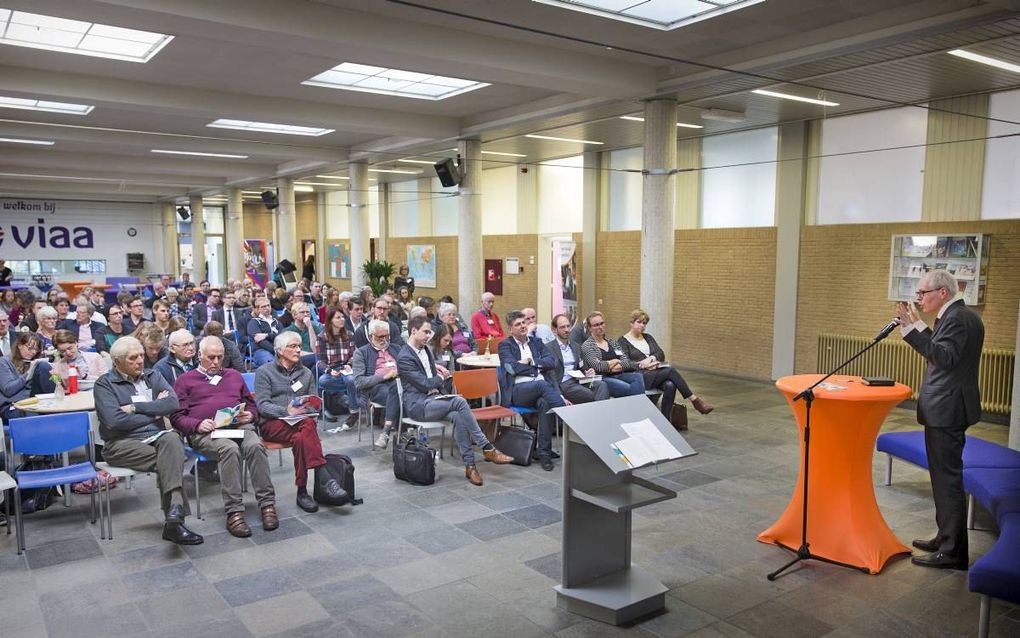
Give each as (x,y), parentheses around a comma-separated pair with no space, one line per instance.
(523,359)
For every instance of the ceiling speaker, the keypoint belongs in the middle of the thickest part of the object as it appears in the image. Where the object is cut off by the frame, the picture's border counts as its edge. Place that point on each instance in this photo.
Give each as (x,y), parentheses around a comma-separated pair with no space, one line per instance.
(270,199)
(448,172)
(183,213)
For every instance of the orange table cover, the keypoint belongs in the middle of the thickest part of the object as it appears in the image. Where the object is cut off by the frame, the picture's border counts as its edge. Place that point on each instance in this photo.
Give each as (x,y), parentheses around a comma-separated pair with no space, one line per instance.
(844,522)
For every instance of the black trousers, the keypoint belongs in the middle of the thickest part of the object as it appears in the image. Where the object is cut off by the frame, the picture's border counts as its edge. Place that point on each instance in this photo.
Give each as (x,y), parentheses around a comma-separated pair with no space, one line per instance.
(669,381)
(945,467)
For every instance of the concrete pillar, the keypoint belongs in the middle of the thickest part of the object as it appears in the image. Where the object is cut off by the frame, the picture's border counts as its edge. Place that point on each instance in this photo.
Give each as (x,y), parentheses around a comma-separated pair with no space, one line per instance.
(1014,410)
(358,223)
(286,220)
(790,173)
(469,228)
(589,230)
(234,235)
(198,272)
(384,221)
(171,250)
(321,268)
(658,202)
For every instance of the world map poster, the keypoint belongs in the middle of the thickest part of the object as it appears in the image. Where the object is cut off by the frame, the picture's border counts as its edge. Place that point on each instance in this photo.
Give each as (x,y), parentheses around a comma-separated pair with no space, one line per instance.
(421,262)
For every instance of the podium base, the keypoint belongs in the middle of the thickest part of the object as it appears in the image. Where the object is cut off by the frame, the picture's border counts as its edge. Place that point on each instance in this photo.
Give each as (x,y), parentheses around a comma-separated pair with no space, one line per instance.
(615,599)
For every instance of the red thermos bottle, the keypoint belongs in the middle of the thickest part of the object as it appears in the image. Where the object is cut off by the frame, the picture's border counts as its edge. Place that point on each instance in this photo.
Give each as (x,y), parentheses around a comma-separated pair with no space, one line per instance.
(72,379)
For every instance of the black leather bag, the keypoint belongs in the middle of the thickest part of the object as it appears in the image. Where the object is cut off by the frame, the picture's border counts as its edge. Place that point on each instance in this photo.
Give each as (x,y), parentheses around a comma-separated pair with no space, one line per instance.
(517,442)
(414,462)
(340,468)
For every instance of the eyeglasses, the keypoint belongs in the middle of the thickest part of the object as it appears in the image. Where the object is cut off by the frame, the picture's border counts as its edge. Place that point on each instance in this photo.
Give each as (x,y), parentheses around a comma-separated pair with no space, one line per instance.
(381,337)
(921,293)
(293,346)
(596,325)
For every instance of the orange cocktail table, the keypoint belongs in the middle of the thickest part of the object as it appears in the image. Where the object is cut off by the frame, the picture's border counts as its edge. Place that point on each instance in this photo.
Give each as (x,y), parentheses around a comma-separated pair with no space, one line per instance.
(844,522)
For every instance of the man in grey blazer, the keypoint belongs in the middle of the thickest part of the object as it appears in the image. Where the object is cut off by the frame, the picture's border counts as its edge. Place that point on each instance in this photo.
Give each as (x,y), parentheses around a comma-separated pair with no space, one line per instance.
(948,403)
(423,401)
(563,351)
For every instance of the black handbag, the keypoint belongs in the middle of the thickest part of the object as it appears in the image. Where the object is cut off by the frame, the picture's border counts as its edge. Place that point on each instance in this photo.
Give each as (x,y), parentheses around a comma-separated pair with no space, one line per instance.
(678,417)
(517,442)
(340,468)
(414,462)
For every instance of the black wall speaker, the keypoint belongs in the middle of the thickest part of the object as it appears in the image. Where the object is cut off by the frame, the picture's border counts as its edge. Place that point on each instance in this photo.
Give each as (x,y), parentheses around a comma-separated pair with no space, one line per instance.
(448,172)
(183,213)
(270,199)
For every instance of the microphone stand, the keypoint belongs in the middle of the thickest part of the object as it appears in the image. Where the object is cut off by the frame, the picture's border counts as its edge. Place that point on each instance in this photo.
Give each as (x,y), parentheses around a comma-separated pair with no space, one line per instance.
(804,551)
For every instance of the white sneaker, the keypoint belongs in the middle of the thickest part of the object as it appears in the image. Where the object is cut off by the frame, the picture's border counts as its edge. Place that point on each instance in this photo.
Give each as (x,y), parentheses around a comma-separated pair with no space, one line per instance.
(344,427)
(383,440)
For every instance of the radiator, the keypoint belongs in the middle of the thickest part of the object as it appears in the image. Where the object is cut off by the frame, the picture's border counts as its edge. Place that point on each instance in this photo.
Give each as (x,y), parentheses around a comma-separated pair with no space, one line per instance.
(898,360)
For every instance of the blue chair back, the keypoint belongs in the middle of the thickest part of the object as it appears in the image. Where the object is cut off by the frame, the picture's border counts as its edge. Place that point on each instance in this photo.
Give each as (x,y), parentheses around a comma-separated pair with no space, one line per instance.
(249,380)
(49,433)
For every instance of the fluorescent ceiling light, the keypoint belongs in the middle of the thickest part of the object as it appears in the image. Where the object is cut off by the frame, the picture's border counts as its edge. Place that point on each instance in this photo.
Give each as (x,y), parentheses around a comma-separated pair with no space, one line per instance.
(664,15)
(332,177)
(503,154)
(414,161)
(560,139)
(23,29)
(227,155)
(303,189)
(787,96)
(266,127)
(376,79)
(984,59)
(14,140)
(635,118)
(43,105)
(333,184)
(393,170)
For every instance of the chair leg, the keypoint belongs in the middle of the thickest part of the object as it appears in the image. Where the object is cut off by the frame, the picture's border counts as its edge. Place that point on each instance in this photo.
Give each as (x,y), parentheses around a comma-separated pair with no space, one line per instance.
(970,511)
(888,469)
(198,496)
(20,530)
(7,510)
(442,441)
(92,503)
(279,454)
(984,614)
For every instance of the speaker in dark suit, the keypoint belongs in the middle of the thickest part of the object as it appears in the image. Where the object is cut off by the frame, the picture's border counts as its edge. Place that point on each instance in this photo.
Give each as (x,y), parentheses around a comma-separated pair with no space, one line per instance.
(949,402)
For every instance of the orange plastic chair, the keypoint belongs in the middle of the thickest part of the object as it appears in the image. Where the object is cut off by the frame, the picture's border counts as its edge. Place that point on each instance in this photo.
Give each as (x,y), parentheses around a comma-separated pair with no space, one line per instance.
(478,384)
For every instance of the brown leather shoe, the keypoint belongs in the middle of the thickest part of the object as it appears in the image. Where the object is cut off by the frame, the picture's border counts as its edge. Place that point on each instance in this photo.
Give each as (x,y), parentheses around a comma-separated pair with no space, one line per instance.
(701,406)
(497,457)
(270,520)
(237,526)
(471,472)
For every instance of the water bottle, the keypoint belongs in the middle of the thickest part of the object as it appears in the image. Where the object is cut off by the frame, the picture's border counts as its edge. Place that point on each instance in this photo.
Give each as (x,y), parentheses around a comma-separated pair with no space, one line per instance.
(423,437)
(72,379)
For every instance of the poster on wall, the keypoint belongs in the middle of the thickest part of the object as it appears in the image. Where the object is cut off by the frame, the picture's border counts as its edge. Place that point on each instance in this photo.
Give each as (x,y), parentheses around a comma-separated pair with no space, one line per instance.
(564,278)
(421,262)
(494,276)
(308,250)
(338,258)
(256,261)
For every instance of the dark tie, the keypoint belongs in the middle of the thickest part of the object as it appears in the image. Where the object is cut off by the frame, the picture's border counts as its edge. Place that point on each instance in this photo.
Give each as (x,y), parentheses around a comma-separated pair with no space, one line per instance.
(936,323)
(230,320)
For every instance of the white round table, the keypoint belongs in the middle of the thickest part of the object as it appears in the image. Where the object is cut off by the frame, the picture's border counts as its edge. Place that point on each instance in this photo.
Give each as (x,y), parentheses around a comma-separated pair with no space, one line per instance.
(479,361)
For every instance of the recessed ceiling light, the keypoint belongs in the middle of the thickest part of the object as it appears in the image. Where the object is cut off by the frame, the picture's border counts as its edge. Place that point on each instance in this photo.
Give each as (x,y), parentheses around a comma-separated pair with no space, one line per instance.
(787,96)
(393,170)
(635,118)
(333,184)
(503,154)
(23,29)
(44,105)
(332,177)
(376,79)
(266,127)
(414,161)
(665,15)
(14,140)
(560,139)
(227,155)
(984,59)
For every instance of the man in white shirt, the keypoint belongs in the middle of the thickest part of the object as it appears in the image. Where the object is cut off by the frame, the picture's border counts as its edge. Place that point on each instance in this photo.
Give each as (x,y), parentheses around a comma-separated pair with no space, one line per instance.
(5,334)
(540,330)
(568,360)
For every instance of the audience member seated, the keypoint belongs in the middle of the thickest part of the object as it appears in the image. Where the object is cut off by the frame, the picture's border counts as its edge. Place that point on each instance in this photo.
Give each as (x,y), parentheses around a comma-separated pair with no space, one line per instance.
(131,405)
(380,312)
(305,329)
(115,328)
(540,330)
(579,333)
(233,320)
(136,313)
(28,306)
(232,357)
(523,360)
(485,322)
(568,359)
(609,360)
(355,316)
(283,389)
(642,349)
(441,347)
(262,330)
(463,341)
(202,392)
(375,374)
(88,331)
(333,365)
(22,374)
(9,305)
(63,308)
(6,334)
(181,358)
(153,340)
(423,383)
(90,365)
(201,312)
(161,315)
(46,319)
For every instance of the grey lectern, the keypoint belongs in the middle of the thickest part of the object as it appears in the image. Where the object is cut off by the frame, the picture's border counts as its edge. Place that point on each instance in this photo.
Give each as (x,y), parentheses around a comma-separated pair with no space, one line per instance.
(599,493)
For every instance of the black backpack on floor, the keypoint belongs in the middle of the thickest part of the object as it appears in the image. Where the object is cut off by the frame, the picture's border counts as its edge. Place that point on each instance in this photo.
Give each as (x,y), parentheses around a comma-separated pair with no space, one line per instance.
(341,468)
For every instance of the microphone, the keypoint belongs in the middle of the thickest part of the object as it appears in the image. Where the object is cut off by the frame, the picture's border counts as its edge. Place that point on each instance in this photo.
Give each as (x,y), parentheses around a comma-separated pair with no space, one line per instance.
(885,331)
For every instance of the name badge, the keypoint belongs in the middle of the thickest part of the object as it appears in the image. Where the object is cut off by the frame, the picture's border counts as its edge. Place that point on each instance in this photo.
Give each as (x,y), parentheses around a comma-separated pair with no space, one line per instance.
(619,352)
(215,380)
(140,398)
(492,322)
(391,364)
(445,357)
(296,386)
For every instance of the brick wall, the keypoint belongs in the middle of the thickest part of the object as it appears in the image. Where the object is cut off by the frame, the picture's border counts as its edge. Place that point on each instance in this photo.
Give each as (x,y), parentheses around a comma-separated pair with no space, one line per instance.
(446,262)
(258,222)
(617,277)
(519,291)
(844,273)
(307,222)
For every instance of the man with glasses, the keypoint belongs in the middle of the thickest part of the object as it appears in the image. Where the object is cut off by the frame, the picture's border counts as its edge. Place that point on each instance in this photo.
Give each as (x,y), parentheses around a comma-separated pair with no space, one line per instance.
(262,329)
(303,326)
(949,402)
(380,312)
(568,363)
(135,315)
(180,359)
(375,376)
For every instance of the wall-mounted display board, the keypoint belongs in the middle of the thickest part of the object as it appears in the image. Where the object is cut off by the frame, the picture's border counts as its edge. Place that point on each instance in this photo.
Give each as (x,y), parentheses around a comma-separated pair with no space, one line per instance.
(964,255)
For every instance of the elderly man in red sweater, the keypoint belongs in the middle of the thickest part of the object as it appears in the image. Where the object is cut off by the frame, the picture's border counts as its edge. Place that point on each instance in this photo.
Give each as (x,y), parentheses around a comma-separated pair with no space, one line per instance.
(202,392)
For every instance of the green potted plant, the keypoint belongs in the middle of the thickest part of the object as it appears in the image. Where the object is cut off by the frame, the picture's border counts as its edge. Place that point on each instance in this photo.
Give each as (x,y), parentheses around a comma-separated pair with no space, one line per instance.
(378,274)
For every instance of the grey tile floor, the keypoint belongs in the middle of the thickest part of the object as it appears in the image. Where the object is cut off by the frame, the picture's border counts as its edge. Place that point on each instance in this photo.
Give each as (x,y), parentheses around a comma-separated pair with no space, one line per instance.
(457,560)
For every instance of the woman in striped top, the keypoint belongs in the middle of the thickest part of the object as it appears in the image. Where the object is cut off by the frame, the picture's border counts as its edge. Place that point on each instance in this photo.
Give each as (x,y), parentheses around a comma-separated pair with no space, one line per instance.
(335,349)
(609,360)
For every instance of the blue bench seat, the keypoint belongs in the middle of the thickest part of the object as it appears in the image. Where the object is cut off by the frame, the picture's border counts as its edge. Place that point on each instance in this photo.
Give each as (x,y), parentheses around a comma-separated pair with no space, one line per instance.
(909,446)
